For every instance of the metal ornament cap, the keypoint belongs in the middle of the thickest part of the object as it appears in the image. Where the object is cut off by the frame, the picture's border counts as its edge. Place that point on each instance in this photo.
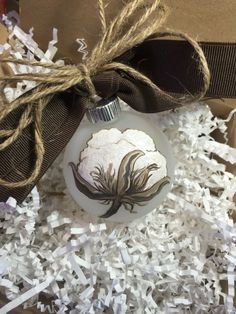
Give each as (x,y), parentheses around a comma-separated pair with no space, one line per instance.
(107,110)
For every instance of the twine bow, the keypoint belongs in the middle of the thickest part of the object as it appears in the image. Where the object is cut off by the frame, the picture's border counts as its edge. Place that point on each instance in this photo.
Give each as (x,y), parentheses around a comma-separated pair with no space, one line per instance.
(115,40)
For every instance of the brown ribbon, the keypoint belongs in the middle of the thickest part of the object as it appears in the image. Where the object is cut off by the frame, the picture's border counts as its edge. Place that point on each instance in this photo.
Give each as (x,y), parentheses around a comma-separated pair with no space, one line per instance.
(168,63)
(60,120)
(171,65)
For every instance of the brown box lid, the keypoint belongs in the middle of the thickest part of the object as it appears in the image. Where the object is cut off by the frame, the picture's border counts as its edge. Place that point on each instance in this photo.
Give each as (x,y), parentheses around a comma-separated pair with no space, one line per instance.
(73,19)
(211,20)
(4,68)
(3,34)
(204,20)
(222,108)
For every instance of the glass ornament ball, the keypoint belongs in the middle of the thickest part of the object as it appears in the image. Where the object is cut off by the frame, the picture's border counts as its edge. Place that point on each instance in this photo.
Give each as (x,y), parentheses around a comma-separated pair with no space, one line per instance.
(118,165)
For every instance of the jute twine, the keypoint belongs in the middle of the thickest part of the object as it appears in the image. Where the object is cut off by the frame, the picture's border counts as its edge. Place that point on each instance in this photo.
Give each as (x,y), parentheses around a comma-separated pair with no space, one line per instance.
(115,40)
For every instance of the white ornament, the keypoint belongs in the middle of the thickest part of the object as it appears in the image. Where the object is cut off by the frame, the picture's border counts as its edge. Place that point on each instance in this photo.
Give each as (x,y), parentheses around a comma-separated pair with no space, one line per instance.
(117,172)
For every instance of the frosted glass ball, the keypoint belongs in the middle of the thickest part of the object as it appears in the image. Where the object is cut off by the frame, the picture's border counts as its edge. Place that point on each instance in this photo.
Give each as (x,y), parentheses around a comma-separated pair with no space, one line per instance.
(119,170)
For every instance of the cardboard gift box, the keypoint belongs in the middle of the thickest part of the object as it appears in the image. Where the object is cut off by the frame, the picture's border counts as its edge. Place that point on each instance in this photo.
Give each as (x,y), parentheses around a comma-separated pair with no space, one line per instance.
(222,108)
(168,62)
(202,20)
(4,68)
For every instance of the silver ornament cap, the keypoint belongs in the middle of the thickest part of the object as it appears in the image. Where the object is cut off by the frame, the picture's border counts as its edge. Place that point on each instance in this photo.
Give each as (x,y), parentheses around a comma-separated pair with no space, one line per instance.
(106,110)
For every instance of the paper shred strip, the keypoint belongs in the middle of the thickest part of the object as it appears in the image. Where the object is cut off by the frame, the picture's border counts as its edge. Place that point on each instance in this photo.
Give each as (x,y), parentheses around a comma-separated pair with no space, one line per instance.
(26,296)
(77,269)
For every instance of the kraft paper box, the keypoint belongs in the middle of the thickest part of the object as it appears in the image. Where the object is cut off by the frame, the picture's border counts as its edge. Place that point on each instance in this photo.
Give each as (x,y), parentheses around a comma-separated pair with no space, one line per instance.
(222,108)
(4,68)
(3,34)
(211,21)
(74,19)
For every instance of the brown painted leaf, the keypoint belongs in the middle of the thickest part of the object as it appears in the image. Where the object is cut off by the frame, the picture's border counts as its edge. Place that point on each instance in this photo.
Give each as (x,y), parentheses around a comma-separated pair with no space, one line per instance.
(125,170)
(86,188)
(148,194)
(140,180)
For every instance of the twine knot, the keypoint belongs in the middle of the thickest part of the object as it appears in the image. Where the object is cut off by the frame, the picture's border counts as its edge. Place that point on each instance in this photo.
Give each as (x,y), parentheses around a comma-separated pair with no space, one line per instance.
(115,40)
(86,82)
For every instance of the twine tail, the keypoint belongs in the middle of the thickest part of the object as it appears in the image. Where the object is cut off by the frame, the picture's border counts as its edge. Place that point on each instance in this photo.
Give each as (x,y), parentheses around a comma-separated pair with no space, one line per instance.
(102,15)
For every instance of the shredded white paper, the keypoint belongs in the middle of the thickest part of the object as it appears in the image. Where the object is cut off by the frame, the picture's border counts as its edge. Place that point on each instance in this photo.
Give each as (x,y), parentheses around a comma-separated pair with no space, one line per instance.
(57,258)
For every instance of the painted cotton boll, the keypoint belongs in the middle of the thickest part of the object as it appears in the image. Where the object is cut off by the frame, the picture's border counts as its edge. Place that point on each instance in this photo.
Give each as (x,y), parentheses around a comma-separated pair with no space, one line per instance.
(114,146)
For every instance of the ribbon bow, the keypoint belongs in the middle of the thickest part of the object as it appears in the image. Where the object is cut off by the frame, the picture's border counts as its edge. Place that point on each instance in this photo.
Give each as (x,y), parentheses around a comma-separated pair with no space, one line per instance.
(101,74)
